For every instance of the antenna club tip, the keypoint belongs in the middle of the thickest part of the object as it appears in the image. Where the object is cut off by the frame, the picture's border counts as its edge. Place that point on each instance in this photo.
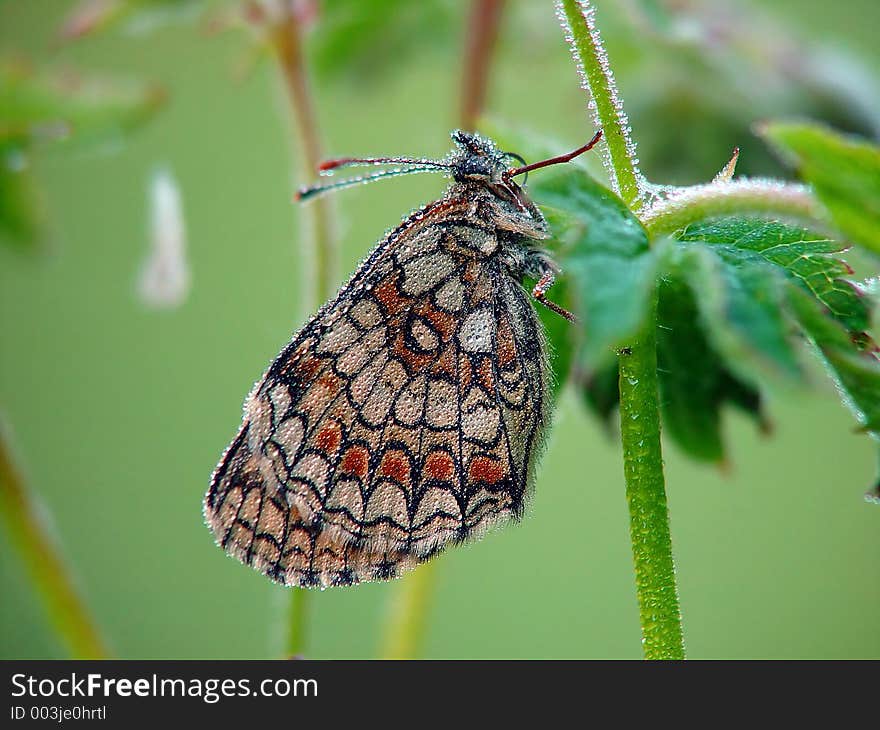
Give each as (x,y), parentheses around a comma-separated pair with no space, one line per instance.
(332,164)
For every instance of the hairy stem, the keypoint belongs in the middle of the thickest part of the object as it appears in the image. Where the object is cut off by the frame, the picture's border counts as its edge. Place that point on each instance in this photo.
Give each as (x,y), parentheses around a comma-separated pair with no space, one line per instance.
(639,396)
(481,36)
(646,496)
(744,196)
(27,527)
(586,46)
(286,38)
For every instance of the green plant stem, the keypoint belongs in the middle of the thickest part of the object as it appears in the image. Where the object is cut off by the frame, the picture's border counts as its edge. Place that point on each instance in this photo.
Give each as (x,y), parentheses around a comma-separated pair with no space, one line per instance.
(405,628)
(742,197)
(646,496)
(286,39)
(41,554)
(586,44)
(639,395)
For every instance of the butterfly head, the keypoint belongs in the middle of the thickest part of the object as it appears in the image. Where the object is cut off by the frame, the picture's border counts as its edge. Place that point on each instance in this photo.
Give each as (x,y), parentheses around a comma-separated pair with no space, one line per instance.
(477,159)
(479,169)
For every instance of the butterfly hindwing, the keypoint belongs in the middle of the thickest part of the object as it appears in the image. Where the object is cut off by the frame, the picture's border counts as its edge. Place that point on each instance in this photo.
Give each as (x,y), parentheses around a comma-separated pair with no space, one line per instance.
(405,416)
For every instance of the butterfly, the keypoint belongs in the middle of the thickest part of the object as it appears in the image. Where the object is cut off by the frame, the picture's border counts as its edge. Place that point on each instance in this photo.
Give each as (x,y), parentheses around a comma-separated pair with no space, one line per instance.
(408,414)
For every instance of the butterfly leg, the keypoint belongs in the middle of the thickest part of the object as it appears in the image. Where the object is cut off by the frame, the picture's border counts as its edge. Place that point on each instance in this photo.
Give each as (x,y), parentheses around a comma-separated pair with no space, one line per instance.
(548,277)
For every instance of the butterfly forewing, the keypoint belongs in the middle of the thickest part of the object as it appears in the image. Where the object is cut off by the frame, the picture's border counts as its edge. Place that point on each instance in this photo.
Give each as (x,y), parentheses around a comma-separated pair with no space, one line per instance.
(405,416)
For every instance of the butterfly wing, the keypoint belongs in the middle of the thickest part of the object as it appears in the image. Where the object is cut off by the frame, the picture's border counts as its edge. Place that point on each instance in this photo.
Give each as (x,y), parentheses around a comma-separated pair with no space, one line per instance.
(405,416)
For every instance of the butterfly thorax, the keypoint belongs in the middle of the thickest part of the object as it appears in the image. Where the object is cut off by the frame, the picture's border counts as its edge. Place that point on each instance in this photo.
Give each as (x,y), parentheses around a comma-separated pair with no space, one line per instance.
(515,214)
(497,228)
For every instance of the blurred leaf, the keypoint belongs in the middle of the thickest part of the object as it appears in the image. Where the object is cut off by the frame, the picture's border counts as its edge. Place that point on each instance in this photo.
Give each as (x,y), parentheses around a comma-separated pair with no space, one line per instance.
(604,252)
(741,303)
(658,17)
(22,217)
(41,106)
(714,69)
(365,37)
(601,391)
(90,16)
(93,16)
(845,173)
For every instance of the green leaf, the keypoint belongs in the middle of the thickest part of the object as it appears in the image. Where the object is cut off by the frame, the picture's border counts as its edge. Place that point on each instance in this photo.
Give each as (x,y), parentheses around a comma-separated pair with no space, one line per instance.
(756,281)
(844,171)
(694,383)
(604,252)
(41,105)
(742,308)
(809,258)
(856,372)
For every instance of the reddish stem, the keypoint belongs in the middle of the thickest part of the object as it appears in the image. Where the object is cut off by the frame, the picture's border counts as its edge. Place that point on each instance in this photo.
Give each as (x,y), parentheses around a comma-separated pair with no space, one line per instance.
(482,34)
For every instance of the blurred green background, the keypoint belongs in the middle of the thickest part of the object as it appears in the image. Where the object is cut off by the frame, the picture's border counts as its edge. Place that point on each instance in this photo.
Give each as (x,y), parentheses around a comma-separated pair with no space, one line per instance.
(120,412)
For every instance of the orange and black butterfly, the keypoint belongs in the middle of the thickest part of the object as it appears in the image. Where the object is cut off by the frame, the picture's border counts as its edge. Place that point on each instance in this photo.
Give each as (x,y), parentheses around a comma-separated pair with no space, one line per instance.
(407,415)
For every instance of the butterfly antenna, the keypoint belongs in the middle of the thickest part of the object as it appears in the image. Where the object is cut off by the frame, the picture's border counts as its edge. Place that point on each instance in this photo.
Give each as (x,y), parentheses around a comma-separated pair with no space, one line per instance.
(315,190)
(330,165)
(556,160)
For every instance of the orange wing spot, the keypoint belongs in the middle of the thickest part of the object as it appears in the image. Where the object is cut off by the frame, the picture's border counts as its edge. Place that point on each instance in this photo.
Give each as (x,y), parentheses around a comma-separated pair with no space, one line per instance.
(484,469)
(439,465)
(307,367)
(505,343)
(487,377)
(301,363)
(329,438)
(443,322)
(395,466)
(471,272)
(330,382)
(414,360)
(356,461)
(465,372)
(446,363)
(389,297)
